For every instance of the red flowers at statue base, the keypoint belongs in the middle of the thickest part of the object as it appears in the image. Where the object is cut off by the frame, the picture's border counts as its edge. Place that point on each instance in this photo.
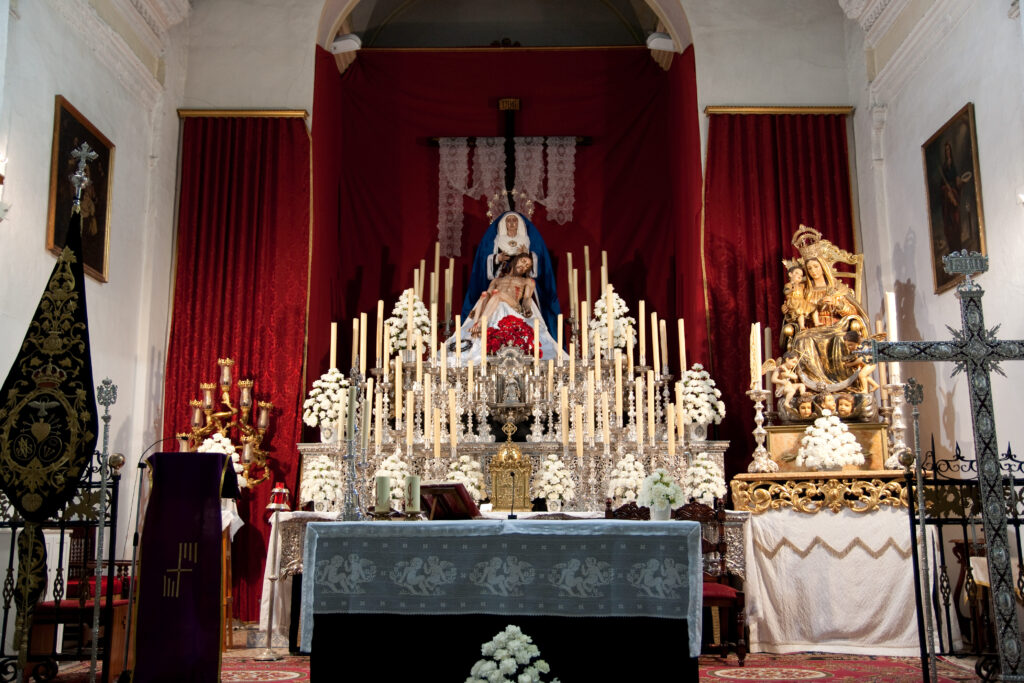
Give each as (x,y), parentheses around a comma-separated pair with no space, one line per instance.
(511,331)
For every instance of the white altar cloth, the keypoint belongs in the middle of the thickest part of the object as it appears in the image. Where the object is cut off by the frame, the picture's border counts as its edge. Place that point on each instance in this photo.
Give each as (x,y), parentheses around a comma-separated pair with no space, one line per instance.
(830,582)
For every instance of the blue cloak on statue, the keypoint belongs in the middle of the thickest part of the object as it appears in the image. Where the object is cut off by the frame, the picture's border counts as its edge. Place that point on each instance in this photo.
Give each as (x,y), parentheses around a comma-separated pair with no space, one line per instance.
(547,293)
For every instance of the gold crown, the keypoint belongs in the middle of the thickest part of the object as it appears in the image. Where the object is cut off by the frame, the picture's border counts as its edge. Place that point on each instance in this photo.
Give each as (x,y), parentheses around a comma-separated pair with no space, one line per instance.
(496,202)
(49,376)
(810,244)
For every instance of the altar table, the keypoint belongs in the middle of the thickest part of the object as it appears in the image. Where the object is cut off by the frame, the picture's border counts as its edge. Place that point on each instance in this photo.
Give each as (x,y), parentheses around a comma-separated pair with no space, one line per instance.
(434,592)
(831,582)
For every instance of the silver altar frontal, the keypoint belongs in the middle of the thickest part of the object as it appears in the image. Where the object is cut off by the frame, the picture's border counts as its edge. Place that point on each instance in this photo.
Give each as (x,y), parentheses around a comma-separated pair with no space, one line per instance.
(588,568)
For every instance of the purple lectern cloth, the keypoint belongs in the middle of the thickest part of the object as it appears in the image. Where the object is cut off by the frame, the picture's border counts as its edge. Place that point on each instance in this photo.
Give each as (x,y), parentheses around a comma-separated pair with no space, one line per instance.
(178,630)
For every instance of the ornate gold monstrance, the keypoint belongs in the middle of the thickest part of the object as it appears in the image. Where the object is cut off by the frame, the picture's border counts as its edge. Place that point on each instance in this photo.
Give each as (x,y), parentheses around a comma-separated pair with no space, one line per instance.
(510,475)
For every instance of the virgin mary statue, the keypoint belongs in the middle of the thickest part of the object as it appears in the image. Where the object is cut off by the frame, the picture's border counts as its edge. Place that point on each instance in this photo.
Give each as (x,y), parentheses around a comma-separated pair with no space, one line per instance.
(508,235)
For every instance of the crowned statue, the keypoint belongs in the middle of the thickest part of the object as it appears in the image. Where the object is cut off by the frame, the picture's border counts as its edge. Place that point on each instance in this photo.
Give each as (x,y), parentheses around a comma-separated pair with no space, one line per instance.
(823,325)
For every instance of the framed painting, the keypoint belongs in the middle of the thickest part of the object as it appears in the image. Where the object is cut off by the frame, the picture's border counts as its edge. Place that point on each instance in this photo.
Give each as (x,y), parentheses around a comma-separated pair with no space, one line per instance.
(955,217)
(70,130)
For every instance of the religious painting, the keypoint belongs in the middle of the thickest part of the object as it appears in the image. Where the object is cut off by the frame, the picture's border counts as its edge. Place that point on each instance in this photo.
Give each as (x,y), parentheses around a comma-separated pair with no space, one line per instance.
(70,130)
(955,217)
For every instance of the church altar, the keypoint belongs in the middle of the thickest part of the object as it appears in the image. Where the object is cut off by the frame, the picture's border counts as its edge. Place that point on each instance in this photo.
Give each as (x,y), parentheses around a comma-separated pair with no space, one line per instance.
(617,581)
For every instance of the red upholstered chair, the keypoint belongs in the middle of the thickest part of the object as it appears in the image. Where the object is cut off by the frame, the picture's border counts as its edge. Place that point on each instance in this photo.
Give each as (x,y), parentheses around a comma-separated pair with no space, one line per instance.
(719,593)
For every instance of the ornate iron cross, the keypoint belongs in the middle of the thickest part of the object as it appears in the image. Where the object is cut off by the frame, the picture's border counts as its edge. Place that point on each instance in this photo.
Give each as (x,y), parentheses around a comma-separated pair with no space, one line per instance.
(977,352)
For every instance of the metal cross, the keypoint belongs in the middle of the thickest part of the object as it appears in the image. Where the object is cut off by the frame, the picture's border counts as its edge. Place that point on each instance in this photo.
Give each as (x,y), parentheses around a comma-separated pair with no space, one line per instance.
(80,178)
(977,352)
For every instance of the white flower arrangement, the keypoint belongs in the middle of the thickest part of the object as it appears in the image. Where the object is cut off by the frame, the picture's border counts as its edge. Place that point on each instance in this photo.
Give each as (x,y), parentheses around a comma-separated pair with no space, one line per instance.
(218,443)
(623,324)
(393,466)
(555,483)
(327,403)
(398,322)
(659,490)
(828,445)
(511,657)
(466,471)
(321,484)
(701,401)
(626,478)
(704,480)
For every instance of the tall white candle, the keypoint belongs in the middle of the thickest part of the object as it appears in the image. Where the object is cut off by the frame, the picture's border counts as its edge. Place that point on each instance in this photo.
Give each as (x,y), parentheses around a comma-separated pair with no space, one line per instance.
(585,333)
(380,334)
(650,405)
(655,347)
(671,430)
(682,347)
(355,342)
(410,418)
(378,420)
(664,347)
(586,270)
(387,350)
(609,309)
(561,325)
(895,376)
(399,374)
(428,406)
(618,382)
(642,321)
(458,341)
(433,333)
(362,344)
(334,345)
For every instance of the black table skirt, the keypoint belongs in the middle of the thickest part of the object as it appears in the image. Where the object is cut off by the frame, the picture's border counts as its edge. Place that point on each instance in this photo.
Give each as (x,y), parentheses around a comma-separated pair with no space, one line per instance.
(444,647)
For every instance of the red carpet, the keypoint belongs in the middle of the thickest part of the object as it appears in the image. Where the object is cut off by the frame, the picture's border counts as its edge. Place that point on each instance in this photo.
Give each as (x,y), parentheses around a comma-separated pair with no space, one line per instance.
(759,667)
(827,667)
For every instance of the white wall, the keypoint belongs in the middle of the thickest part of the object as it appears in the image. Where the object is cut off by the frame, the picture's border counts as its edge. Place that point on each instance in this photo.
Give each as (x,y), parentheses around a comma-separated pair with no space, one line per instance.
(254,54)
(981,60)
(127,315)
(783,52)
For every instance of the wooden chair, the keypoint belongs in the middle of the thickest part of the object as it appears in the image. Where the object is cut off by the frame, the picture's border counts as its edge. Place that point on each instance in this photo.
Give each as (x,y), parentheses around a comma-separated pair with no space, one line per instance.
(628,511)
(719,594)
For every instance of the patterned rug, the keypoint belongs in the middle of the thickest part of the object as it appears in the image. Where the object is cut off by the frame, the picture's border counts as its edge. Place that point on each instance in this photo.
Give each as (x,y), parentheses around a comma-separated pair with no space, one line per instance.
(234,669)
(827,667)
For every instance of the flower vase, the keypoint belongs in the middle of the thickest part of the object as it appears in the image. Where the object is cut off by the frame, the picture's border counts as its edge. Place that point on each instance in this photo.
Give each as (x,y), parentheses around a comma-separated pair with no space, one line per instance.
(328,433)
(696,431)
(661,513)
(554,505)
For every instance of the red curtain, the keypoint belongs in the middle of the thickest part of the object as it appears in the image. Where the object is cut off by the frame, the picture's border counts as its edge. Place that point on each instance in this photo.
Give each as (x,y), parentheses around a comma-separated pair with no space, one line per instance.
(240,292)
(766,174)
(375,204)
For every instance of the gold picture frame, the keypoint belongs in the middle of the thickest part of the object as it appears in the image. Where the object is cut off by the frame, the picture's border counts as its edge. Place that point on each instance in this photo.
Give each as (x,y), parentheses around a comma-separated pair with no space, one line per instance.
(955,217)
(70,130)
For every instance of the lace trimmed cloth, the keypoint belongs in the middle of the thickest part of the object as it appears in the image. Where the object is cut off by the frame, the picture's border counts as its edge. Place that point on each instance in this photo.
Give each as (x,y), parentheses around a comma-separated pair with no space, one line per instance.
(584,568)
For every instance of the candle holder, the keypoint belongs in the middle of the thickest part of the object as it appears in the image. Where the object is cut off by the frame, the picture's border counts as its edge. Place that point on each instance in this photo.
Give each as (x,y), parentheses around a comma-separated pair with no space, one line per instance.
(897,427)
(351,510)
(762,459)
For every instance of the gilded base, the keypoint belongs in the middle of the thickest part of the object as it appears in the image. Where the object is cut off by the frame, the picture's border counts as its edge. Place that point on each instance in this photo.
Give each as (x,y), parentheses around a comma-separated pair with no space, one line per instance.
(862,491)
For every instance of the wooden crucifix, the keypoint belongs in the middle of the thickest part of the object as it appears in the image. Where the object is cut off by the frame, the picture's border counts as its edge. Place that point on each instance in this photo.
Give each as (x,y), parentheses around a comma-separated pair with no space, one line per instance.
(977,352)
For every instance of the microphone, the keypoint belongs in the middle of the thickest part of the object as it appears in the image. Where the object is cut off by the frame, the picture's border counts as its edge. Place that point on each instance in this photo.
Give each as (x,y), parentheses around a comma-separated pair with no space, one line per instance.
(511,510)
(142,458)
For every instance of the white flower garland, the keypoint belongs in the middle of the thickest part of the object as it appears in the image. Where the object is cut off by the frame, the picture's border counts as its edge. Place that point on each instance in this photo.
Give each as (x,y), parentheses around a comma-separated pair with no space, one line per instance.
(321,484)
(555,482)
(828,445)
(398,322)
(466,471)
(704,480)
(701,401)
(393,466)
(660,489)
(218,443)
(626,478)
(622,323)
(509,657)
(327,402)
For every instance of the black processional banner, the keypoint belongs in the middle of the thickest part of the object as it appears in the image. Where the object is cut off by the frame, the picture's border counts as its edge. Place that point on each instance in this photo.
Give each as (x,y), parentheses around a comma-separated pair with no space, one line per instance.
(48,422)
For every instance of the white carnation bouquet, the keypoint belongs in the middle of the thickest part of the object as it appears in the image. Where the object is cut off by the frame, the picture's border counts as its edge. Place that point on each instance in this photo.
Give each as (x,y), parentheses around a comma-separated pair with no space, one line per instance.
(623,325)
(399,320)
(218,443)
(393,466)
(327,402)
(701,401)
(466,471)
(659,490)
(626,478)
(510,657)
(321,484)
(555,482)
(828,445)
(704,480)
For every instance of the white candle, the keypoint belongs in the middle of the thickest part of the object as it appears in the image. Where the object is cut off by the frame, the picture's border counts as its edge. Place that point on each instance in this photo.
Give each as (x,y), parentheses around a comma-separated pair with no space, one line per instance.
(609,316)
(483,347)
(433,332)
(629,353)
(642,321)
(362,344)
(355,342)
(399,374)
(586,271)
(383,503)
(585,333)
(655,347)
(682,347)
(638,414)
(755,356)
(378,421)
(895,376)
(618,382)
(568,277)
(650,405)
(458,341)
(453,421)
(410,418)
(423,274)
(664,347)
(380,334)
(428,405)
(334,345)
(671,431)
(412,493)
(387,350)
(561,324)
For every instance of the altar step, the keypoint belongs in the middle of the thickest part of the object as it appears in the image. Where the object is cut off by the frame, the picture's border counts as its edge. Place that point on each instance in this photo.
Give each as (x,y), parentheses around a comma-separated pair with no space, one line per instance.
(250,636)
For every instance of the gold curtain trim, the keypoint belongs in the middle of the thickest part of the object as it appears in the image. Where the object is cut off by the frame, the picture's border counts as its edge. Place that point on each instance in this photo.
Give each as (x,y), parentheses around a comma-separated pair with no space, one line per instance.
(725,109)
(243,113)
(810,496)
(770,553)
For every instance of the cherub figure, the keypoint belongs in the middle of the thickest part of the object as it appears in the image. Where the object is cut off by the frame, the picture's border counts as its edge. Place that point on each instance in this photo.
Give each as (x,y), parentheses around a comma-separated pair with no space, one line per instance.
(805,407)
(856,363)
(844,405)
(797,307)
(827,402)
(786,379)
